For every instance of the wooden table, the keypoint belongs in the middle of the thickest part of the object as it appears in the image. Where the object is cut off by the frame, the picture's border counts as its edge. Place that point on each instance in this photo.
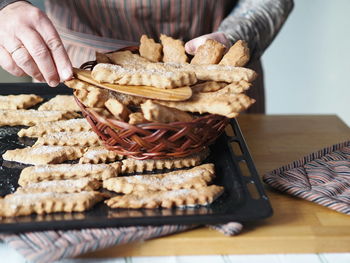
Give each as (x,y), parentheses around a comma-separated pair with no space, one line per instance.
(297,226)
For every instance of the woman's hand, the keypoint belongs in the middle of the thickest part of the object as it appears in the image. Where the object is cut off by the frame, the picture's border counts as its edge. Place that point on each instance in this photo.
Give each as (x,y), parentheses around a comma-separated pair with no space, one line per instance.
(29,44)
(192,45)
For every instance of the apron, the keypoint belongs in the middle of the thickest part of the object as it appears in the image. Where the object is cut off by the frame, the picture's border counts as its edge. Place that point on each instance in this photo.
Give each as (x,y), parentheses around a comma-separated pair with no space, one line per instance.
(87,26)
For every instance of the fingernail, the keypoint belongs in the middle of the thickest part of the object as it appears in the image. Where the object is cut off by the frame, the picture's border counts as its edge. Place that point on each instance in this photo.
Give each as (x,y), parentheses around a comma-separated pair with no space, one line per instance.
(66,74)
(54,83)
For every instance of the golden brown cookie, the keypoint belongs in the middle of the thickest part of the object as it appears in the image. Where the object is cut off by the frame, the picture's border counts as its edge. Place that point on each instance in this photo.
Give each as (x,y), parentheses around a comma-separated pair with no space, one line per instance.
(85,138)
(43,154)
(173,50)
(210,52)
(150,50)
(155,112)
(99,155)
(237,56)
(60,102)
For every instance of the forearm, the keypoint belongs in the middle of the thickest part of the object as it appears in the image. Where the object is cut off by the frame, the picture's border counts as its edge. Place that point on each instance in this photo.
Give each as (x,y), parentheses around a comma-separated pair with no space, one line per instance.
(257,22)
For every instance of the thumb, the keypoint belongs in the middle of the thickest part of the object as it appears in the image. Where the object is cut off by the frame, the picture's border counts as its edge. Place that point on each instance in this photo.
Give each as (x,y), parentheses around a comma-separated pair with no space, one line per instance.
(192,45)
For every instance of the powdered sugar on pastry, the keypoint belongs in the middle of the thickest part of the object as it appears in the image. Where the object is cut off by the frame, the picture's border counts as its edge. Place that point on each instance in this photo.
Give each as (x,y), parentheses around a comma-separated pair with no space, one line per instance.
(167,199)
(193,178)
(61,186)
(23,101)
(43,154)
(68,171)
(32,117)
(48,202)
(72,125)
(99,155)
(131,165)
(60,102)
(86,138)
(210,52)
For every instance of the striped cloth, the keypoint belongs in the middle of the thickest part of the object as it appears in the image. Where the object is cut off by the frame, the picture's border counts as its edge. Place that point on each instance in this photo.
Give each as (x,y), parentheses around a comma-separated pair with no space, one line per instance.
(322,177)
(49,246)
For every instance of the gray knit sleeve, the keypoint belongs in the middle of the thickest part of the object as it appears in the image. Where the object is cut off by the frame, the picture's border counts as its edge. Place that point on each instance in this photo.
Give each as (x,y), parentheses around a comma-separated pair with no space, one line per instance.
(257,22)
(4,3)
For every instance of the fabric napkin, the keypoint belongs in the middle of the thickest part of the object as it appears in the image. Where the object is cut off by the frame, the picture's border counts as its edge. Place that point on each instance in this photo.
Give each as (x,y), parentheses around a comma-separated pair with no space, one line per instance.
(322,177)
(49,246)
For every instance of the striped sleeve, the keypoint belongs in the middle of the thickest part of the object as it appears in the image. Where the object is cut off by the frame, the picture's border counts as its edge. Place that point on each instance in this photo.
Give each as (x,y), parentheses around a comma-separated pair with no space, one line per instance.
(257,22)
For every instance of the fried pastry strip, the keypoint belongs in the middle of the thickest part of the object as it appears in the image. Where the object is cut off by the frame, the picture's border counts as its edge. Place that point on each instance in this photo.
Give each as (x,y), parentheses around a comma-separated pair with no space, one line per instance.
(208,86)
(34,174)
(137,118)
(85,138)
(33,117)
(228,101)
(155,112)
(72,125)
(118,109)
(222,73)
(45,203)
(92,97)
(43,154)
(237,56)
(167,199)
(173,50)
(61,186)
(102,58)
(142,76)
(196,177)
(126,58)
(131,165)
(150,50)
(15,102)
(209,53)
(99,155)
(60,102)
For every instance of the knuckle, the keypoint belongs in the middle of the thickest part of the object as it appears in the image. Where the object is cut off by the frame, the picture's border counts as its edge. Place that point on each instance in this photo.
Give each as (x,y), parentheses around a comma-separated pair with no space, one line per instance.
(40,52)
(23,59)
(54,44)
(35,14)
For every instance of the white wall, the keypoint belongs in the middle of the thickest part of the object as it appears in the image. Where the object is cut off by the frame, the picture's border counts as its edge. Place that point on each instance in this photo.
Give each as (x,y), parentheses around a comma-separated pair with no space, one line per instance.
(307,67)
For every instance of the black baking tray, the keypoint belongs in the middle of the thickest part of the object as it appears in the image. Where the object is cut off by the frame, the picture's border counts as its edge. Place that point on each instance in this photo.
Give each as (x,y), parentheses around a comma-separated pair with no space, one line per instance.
(244,198)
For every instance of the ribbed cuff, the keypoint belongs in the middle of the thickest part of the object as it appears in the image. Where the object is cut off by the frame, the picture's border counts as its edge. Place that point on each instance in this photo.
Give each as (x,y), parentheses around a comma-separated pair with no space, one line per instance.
(4,3)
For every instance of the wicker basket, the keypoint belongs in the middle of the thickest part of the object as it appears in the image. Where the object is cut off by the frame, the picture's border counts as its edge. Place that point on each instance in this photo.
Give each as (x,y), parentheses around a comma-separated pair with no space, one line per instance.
(154,140)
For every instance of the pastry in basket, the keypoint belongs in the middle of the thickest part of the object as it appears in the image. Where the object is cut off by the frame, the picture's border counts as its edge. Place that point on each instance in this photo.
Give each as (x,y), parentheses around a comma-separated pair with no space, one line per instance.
(173,50)
(137,118)
(15,102)
(51,172)
(48,202)
(131,165)
(237,56)
(196,177)
(210,52)
(150,50)
(167,199)
(72,125)
(61,186)
(84,138)
(43,154)
(208,86)
(60,102)
(118,109)
(33,117)
(155,112)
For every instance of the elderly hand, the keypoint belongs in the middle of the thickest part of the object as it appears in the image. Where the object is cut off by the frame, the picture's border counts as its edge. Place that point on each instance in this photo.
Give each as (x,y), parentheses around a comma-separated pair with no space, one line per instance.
(192,45)
(29,44)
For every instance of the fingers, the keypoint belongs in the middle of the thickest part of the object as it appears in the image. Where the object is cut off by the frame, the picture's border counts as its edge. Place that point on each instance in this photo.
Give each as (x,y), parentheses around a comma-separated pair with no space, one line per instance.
(56,48)
(41,56)
(23,59)
(192,45)
(7,63)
